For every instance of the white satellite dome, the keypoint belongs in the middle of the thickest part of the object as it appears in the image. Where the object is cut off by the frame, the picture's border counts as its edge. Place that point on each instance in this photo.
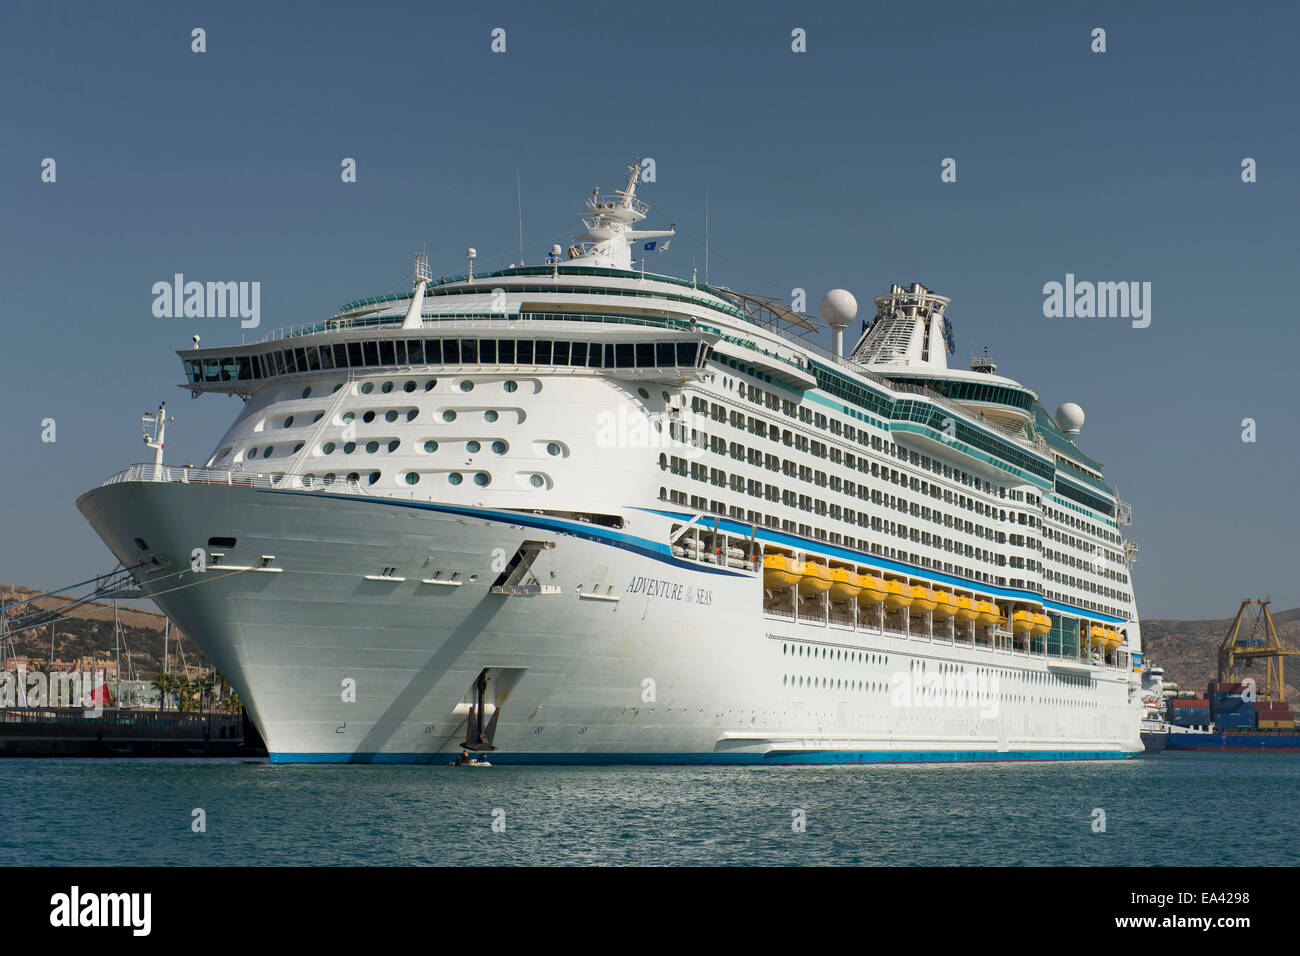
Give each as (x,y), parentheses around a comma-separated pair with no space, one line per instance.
(1069,418)
(839,308)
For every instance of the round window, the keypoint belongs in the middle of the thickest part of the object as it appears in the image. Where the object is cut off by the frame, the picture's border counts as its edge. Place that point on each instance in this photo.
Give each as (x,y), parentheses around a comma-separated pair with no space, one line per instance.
(472,447)
(449,416)
(429,385)
(252,453)
(466,386)
(374,476)
(412,478)
(329,478)
(490,415)
(297,448)
(372,447)
(431,446)
(643,393)
(510,385)
(409,387)
(368,417)
(306,391)
(266,452)
(411,415)
(537,481)
(392,445)
(390,416)
(349,416)
(367,388)
(388,387)
(482,479)
(499,447)
(553,448)
(327,448)
(353,476)
(319,416)
(288,422)
(349,448)
(455,478)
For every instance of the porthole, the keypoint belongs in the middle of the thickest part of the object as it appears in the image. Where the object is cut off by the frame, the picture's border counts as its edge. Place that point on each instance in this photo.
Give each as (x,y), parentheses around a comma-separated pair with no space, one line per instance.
(412,477)
(367,388)
(390,416)
(288,422)
(643,393)
(472,447)
(319,416)
(449,416)
(252,453)
(349,448)
(306,391)
(353,476)
(490,415)
(327,448)
(392,445)
(499,447)
(412,414)
(408,387)
(455,478)
(372,447)
(510,385)
(466,385)
(368,417)
(374,476)
(536,481)
(329,478)
(266,452)
(387,387)
(553,448)
(482,479)
(666,398)
(297,448)
(431,446)
(429,385)
(349,416)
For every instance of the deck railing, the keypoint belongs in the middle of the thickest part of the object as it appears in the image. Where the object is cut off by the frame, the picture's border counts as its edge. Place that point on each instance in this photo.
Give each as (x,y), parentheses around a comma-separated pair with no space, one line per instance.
(185,474)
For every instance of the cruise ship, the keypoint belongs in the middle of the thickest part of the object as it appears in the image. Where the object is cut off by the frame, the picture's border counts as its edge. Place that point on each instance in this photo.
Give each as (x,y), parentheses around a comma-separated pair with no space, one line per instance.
(584,512)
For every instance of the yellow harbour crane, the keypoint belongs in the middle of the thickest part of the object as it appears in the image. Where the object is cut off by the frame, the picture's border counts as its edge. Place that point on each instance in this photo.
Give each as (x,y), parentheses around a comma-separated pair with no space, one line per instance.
(1253,637)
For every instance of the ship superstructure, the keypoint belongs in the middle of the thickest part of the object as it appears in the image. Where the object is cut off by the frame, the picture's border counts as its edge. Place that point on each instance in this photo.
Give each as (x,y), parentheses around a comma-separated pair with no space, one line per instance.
(581,511)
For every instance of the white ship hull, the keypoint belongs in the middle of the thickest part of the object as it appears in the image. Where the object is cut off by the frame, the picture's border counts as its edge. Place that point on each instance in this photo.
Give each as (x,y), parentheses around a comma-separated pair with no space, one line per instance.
(639,657)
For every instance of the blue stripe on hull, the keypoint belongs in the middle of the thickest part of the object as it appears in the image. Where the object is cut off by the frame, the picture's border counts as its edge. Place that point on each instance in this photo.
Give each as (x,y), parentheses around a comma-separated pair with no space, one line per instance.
(778,758)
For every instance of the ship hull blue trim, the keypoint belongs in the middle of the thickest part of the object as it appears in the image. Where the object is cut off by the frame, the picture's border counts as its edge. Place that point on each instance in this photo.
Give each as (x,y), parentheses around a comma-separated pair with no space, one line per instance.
(773,759)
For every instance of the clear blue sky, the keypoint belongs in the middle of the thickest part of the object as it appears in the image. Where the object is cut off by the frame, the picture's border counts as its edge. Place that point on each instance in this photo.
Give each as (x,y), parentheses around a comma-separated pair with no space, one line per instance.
(822,170)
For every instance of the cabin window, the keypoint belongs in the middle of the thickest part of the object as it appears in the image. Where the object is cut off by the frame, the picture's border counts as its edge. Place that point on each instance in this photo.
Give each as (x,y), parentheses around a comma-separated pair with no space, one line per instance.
(664,354)
(415,351)
(472,447)
(214,542)
(468,351)
(432,351)
(645,355)
(542,352)
(487,351)
(385,351)
(506,352)
(578,356)
(451,351)
(560,354)
(370,352)
(686,352)
(524,352)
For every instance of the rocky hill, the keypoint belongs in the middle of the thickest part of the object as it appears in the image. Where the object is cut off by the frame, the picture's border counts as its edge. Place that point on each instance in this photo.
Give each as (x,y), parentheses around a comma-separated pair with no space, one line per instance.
(1189,650)
(88,632)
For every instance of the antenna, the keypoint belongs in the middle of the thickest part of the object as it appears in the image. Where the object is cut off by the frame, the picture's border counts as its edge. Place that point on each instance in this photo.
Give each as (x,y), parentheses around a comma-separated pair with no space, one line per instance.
(706,237)
(519,202)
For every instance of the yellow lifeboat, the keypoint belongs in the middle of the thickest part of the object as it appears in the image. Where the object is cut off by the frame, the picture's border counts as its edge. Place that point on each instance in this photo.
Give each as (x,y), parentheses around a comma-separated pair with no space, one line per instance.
(845,584)
(781,571)
(897,595)
(966,609)
(923,599)
(1022,622)
(986,613)
(873,589)
(816,578)
(1042,624)
(945,606)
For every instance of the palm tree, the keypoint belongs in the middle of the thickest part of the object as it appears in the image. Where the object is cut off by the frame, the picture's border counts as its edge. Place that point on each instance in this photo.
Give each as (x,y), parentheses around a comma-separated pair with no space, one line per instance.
(163,684)
(184,690)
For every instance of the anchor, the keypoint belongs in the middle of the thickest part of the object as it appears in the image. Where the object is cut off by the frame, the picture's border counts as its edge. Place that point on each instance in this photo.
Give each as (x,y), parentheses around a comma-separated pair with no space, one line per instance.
(477,737)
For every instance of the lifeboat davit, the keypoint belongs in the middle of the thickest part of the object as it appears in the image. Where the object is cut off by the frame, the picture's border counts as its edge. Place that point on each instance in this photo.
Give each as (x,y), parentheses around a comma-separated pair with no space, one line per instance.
(923,599)
(986,613)
(873,589)
(966,609)
(816,578)
(780,571)
(944,605)
(845,584)
(1042,624)
(897,595)
(1022,622)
